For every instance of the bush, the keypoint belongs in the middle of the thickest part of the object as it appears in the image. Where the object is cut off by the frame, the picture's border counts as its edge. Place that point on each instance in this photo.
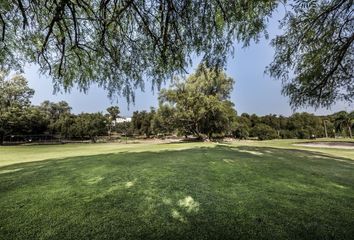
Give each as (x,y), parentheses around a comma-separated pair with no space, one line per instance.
(287,134)
(264,132)
(240,132)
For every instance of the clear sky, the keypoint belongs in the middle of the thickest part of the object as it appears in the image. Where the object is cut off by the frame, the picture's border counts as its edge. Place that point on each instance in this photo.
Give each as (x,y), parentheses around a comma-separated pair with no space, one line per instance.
(254,91)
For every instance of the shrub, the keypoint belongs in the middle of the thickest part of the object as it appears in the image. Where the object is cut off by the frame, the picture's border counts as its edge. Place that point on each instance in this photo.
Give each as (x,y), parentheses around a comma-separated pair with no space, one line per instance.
(241,132)
(264,132)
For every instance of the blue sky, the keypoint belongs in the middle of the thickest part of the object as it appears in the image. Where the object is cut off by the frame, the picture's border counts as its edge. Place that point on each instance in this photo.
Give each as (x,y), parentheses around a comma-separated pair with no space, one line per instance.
(254,91)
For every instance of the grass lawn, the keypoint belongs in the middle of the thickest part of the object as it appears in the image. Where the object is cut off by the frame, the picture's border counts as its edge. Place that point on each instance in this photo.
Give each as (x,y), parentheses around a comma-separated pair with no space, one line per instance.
(242,190)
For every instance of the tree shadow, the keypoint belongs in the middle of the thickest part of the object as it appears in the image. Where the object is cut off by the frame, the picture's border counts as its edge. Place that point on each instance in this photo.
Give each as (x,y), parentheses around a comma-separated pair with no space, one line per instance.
(258,193)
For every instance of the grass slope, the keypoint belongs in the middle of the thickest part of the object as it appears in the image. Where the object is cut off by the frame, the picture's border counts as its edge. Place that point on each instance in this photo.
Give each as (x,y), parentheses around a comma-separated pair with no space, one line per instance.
(187,191)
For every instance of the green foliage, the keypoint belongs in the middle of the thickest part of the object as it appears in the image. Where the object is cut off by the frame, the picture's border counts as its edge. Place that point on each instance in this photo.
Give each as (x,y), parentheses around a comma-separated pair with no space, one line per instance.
(124,128)
(15,98)
(113,112)
(264,132)
(55,114)
(201,102)
(142,122)
(344,122)
(240,132)
(119,44)
(163,122)
(314,58)
(89,125)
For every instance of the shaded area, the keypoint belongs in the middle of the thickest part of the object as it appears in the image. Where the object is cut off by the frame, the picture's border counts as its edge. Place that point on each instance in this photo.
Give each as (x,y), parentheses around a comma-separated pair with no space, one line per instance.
(223,192)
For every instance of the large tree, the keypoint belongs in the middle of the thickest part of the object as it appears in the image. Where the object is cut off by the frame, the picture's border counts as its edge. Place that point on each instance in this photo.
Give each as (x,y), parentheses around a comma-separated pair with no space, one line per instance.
(315,56)
(344,122)
(201,102)
(118,43)
(15,98)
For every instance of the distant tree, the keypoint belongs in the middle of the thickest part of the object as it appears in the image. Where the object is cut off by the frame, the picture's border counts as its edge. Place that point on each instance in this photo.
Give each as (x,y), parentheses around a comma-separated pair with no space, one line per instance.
(35,121)
(64,124)
(89,125)
(240,132)
(304,125)
(15,98)
(164,120)
(201,102)
(264,132)
(142,122)
(124,128)
(53,112)
(344,122)
(113,113)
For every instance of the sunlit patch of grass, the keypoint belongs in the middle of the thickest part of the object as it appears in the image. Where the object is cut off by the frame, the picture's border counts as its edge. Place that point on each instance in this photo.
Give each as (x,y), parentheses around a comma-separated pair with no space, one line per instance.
(228,160)
(10,170)
(94,180)
(181,194)
(189,204)
(178,216)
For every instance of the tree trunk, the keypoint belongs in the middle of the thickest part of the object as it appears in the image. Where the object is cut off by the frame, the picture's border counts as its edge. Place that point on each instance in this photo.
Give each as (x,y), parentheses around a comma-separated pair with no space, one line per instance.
(350,131)
(210,136)
(2,136)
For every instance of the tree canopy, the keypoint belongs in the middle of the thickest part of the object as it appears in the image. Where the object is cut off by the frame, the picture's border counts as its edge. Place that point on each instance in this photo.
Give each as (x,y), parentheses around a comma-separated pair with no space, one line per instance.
(201,102)
(14,102)
(315,56)
(121,44)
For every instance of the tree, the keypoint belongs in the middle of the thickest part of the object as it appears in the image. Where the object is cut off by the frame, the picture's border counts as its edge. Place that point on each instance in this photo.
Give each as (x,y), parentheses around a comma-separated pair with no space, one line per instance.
(142,122)
(113,112)
(344,121)
(314,57)
(240,132)
(120,43)
(201,102)
(14,100)
(54,111)
(264,132)
(89,125)
(163,121)
(63,125)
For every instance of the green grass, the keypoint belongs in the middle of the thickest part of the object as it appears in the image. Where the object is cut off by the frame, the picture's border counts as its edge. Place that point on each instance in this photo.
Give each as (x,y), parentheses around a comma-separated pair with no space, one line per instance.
(257,190)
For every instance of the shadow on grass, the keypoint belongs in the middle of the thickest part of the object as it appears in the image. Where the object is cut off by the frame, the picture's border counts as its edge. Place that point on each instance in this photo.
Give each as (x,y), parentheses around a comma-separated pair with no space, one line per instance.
(221,192)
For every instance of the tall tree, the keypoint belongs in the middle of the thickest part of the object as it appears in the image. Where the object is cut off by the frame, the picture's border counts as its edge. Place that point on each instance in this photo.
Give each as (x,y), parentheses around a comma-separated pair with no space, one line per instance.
(315,56)
(119,43)
(15,98)
(344,121)
(201,102)
(113,113)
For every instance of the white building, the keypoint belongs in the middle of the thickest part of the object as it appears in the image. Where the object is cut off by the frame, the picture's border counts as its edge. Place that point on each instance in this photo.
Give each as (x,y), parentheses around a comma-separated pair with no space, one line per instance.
(123,119)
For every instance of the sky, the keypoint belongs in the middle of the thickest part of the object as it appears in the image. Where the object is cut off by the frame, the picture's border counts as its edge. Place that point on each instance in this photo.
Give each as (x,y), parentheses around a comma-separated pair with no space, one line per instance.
(254,91)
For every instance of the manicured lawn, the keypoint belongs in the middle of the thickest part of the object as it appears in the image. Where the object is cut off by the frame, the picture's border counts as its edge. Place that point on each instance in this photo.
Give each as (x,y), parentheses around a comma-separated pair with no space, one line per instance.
(258,190)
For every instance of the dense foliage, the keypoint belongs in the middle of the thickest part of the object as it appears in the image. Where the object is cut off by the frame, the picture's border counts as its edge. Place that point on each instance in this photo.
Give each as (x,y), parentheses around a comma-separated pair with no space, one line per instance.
(124,43)
(120,43)
(201,103)
(315,56)
(198,106)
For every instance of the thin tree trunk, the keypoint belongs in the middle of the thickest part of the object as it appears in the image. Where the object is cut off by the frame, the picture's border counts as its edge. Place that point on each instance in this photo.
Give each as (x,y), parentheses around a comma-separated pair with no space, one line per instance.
(350,131)
(2,136)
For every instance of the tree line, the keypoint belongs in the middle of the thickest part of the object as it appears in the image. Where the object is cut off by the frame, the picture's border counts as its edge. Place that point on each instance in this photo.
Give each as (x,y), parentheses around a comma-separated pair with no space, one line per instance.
(197,106)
